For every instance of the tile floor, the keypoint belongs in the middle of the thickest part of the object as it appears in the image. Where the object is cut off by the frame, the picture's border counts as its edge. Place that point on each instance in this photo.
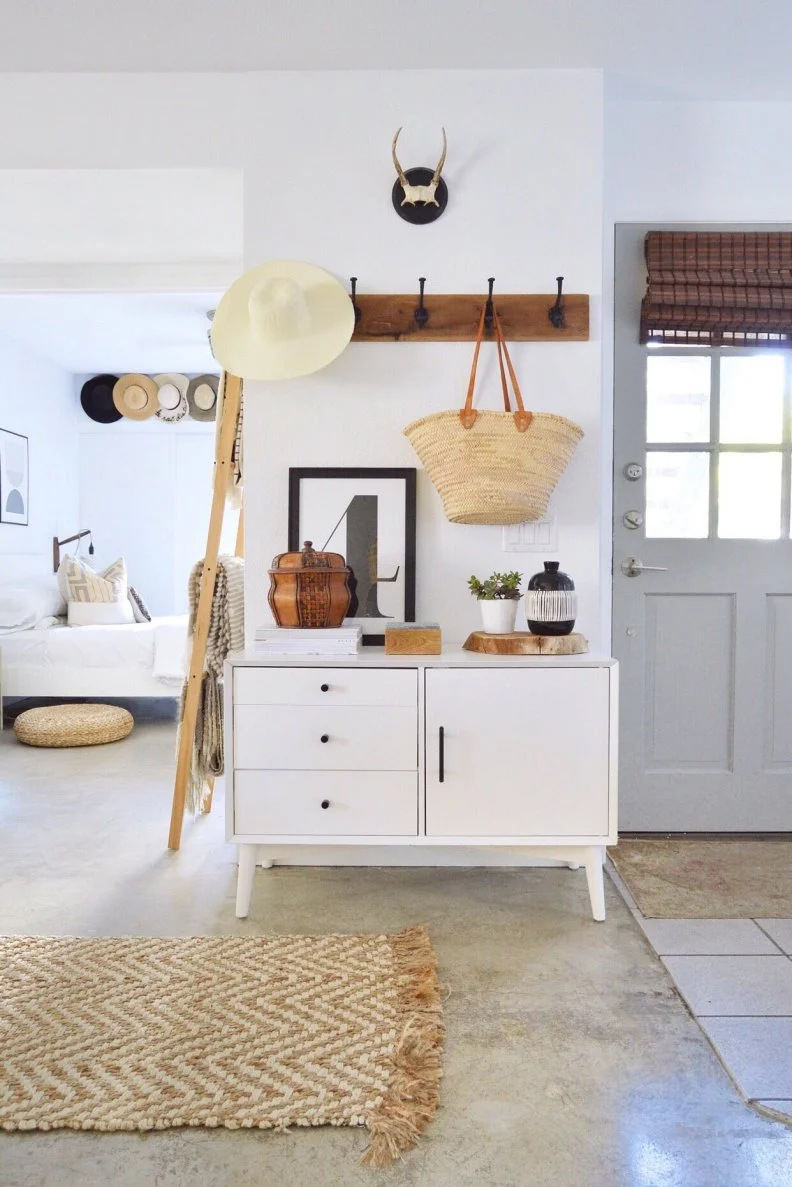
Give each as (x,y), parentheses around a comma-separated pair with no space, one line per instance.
(736,977)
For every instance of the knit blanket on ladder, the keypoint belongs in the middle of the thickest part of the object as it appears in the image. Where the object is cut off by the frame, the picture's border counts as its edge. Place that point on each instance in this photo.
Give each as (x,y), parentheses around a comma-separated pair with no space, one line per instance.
(226,633)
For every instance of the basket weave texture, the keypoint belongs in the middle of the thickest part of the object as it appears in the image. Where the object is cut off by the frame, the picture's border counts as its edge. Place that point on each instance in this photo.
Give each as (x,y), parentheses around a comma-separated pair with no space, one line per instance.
(492,473)
(73,725)
(494,467)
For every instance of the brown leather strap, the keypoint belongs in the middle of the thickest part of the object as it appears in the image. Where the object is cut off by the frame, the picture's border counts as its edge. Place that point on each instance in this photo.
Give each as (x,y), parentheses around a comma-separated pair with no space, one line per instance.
(468,414)
(522,419)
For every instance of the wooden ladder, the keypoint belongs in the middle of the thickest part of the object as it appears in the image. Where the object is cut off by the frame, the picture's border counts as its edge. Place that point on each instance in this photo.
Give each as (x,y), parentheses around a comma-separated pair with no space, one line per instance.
(229,421)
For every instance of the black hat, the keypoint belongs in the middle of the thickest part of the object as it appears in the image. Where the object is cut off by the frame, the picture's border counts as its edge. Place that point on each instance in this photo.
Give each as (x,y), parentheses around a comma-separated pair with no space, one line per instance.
(96,398)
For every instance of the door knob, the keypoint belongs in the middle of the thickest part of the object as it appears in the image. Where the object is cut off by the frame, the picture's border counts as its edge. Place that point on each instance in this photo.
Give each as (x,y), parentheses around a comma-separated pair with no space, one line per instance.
(325,738)
(631,566)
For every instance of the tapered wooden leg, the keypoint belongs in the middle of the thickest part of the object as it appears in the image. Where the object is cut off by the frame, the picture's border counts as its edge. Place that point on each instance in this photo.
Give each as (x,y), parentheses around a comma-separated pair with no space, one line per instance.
(247,869)
(232,394)
(596,881)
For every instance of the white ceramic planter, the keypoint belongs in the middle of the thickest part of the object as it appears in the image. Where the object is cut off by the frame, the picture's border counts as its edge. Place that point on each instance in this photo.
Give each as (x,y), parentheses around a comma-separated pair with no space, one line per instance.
(498,615)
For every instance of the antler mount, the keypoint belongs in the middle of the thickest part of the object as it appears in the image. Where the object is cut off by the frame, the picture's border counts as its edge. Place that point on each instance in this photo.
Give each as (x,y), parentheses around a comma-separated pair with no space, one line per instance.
(419,195)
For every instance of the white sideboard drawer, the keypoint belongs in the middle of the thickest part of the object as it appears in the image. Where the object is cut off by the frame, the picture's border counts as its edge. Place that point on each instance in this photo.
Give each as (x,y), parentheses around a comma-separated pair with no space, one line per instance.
(289,803)
(331,738)
(325,686)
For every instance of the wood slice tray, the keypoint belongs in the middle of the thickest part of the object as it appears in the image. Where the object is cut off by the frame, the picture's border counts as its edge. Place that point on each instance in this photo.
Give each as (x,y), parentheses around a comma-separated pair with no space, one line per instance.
(524,643)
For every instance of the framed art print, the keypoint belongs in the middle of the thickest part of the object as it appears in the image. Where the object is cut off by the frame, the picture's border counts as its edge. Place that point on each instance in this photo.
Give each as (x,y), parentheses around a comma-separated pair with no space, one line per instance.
(368,515)
(14,481)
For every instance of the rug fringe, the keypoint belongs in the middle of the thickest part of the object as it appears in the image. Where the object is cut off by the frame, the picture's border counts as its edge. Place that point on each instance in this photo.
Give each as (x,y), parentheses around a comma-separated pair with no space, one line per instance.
(411,1100)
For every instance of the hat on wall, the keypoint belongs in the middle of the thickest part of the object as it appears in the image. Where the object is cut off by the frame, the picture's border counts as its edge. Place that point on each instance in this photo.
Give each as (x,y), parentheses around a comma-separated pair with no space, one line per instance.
(172,395)
(280,320)
(96,397)
(202,397)
(135,396)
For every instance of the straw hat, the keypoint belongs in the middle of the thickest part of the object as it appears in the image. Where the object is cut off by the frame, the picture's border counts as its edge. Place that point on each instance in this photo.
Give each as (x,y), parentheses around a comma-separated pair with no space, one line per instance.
(172,396)
(280,320)
(135,396)
(96,397)
(202,397)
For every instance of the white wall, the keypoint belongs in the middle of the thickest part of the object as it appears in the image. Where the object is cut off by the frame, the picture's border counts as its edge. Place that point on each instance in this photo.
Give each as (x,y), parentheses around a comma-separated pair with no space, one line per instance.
(525,205)
(37,400)
(525,175)
(145,493)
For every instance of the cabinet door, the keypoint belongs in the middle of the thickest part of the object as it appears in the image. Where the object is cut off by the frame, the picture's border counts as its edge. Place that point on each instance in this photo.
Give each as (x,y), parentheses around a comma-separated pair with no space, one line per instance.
(524,752)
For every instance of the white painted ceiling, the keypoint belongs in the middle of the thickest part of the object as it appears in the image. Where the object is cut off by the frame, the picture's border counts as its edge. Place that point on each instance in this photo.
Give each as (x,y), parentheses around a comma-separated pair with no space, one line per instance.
(716,49)
(89,333)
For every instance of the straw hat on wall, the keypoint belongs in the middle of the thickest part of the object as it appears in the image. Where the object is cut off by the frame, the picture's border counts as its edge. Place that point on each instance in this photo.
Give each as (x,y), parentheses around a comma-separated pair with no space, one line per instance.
(136,396)
(202,397)
(172,396)
(281,320)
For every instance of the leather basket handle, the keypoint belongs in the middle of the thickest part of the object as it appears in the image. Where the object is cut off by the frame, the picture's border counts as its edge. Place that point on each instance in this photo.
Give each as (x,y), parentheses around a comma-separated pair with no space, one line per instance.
(468,414)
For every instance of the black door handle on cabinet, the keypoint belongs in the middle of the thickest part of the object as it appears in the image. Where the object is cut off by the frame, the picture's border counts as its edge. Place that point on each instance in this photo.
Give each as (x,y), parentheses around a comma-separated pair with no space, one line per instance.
(442,754)
(325,738)
(325,803)
(325,687)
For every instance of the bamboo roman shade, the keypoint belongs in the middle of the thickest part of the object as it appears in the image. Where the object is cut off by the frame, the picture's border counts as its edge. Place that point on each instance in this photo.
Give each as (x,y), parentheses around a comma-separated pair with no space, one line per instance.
(718,288)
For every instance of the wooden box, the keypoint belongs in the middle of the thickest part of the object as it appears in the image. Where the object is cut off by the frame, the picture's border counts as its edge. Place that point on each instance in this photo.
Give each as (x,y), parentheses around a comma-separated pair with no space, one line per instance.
(413,638)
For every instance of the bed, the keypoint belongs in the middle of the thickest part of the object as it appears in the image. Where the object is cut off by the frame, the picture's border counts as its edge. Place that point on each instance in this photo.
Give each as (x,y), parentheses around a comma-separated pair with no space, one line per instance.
(50,659)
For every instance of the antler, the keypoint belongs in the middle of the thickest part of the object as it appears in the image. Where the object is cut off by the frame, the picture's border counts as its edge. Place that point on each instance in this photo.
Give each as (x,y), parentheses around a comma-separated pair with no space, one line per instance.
(441,162)
(399,170)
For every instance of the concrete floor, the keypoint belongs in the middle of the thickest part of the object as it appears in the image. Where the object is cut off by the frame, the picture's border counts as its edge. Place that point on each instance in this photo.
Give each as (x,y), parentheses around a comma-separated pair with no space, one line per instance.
(571,1061)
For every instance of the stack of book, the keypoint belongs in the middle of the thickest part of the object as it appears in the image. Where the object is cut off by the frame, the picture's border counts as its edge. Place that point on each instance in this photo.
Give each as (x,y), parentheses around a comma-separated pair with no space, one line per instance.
(342,640)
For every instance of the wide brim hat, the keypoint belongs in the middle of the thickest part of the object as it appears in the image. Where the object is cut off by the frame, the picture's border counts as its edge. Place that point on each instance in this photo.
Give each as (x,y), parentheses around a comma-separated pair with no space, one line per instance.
(202,397)
(96,397)
(281,320)
(136,396)
(172,396)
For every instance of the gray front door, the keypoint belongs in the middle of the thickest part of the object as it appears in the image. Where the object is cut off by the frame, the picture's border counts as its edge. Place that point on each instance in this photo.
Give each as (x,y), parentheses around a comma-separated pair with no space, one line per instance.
(703,631)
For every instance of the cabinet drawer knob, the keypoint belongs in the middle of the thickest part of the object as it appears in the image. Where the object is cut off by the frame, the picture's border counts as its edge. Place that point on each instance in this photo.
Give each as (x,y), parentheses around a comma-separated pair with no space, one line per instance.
(325,688)
(325,803)
(325,738)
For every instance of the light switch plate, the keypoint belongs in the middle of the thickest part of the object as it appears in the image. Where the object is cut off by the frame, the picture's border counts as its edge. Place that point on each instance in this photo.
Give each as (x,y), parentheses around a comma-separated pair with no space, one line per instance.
(539,536)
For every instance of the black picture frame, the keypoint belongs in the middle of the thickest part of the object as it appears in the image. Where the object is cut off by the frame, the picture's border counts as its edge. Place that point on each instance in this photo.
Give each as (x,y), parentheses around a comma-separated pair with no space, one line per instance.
(13,491)
(403,496)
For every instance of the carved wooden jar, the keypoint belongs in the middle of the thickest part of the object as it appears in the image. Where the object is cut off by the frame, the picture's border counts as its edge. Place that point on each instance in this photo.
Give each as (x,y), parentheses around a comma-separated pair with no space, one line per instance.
(309,589)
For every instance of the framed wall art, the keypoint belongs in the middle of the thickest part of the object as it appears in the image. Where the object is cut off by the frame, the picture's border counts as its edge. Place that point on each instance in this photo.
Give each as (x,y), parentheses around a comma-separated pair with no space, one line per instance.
(368,515)
(14,481)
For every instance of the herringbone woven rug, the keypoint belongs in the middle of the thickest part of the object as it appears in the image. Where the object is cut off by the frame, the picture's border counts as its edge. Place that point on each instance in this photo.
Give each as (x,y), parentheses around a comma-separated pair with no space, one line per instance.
(262,1032)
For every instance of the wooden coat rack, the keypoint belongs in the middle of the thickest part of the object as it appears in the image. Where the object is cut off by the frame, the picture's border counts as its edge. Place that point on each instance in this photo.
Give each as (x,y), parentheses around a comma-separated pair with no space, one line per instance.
(454,317)
(229,420)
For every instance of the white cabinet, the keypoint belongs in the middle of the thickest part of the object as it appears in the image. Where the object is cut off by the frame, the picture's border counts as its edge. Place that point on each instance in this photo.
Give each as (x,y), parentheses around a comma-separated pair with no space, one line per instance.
(517,752)
(448,750)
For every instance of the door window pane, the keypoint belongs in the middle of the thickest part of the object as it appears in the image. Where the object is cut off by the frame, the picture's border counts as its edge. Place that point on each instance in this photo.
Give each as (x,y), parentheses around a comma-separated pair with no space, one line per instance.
(749,496)
(751,399)
(677,495)
(677,399)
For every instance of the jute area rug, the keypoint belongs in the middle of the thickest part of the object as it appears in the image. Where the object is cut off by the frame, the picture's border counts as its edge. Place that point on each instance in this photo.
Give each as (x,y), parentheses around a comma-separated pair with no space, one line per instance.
(700,879)
(262,1032)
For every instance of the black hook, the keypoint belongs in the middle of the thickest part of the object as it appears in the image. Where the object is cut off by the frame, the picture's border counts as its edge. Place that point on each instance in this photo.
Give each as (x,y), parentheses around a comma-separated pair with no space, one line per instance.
(353,283)
(421,315)
(556,312)
(489,312)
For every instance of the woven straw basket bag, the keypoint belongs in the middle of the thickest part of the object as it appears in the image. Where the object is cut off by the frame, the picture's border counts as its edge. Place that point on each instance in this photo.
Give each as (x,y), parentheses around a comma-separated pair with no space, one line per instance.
(494,467)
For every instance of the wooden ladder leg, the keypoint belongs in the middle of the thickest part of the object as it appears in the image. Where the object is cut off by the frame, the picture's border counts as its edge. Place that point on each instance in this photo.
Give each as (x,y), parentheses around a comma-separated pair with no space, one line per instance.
(232,394)
(206,803)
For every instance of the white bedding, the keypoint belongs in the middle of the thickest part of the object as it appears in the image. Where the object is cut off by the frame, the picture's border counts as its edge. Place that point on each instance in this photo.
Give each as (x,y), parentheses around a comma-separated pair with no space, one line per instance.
(155,649)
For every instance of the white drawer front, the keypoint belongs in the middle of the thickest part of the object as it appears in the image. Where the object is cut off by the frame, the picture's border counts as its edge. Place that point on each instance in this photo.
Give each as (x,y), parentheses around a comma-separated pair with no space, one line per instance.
(325,686)
(276,737)
(289,803)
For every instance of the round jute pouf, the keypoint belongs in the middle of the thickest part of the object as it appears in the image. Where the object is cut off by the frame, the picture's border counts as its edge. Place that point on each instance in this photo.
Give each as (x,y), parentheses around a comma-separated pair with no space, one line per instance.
(73,725)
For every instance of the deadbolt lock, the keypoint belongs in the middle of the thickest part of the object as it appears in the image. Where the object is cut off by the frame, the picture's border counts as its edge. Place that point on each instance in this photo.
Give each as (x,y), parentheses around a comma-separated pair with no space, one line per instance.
(633,471)
(632,519)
